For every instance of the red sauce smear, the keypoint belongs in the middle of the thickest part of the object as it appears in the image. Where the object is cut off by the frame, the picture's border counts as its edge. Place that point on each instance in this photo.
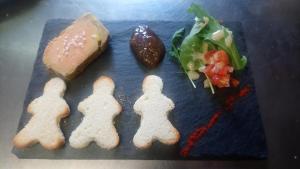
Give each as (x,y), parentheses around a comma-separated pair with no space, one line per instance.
(197,134)
(230,100)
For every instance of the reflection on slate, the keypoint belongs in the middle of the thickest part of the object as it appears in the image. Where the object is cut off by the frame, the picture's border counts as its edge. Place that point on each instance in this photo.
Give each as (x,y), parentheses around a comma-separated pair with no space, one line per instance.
(237,135)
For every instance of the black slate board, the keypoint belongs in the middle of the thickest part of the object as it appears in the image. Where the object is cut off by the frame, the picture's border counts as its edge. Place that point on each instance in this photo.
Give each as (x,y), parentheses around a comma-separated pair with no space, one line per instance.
(237,135)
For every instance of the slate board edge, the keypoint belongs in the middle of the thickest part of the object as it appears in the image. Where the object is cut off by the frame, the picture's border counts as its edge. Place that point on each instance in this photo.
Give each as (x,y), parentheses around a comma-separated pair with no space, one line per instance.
(40,51)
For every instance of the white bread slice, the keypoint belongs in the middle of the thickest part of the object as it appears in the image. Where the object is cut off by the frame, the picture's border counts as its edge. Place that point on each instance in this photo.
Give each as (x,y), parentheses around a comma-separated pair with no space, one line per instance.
(153,107)
(99,111)
(75,47)
(47,111)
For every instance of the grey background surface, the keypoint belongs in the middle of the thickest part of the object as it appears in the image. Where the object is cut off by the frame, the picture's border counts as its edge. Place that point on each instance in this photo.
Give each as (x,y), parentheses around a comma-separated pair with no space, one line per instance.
(273,40)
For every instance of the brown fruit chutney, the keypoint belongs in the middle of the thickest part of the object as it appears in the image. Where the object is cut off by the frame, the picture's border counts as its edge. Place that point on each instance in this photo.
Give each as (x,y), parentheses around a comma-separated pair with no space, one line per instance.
(147,46)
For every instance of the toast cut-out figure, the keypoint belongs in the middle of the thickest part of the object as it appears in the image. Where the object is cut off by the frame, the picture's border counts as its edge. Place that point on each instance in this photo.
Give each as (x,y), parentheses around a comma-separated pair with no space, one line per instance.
(47,111)
(153,107)
(99,110)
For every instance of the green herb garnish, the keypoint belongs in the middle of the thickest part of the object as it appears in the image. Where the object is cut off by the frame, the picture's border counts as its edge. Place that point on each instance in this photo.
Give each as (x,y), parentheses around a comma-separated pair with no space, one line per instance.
(206,34)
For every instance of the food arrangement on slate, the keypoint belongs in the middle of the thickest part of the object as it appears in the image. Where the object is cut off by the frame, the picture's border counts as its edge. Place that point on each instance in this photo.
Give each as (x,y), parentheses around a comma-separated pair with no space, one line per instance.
(118,97)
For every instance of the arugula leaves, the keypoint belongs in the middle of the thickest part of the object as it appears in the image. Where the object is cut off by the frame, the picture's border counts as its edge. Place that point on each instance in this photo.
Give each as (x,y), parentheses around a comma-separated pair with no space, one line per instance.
(190,50)
(237,61)
(176,42)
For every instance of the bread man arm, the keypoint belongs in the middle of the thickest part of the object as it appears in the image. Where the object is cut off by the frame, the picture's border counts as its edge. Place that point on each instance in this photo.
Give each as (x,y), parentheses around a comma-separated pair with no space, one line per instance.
(139,104)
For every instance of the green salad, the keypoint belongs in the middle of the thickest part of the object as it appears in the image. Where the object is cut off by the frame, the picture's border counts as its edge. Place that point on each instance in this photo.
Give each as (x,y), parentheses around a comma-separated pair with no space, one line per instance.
(209,50)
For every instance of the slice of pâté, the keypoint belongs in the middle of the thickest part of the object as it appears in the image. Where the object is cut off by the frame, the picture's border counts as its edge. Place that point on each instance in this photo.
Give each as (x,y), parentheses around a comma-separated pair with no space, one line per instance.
(76,46)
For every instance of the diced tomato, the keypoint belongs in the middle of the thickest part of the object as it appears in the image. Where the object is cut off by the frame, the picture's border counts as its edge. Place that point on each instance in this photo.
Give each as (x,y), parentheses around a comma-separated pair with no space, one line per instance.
(234,82)
(220,81)
(224,82)
(223,71)
(209,54)
(223,57)
(217,68)
(215,79)
(208,70)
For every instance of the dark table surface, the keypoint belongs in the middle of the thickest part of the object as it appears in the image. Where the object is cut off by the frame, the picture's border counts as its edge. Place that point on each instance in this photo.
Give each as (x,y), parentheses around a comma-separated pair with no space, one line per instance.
(272,31)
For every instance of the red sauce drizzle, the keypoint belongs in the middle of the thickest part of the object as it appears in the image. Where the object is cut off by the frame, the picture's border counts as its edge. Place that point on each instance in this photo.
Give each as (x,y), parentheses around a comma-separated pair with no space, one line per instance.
(230,100)
(197,134)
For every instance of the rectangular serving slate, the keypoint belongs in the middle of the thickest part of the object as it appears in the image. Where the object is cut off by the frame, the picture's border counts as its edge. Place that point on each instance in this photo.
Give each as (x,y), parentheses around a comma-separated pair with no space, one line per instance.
(238,134)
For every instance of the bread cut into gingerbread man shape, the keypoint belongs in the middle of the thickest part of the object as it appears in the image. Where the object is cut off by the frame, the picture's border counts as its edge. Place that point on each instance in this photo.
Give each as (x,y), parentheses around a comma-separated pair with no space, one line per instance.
(153,107)
(47,111)
(99,111)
